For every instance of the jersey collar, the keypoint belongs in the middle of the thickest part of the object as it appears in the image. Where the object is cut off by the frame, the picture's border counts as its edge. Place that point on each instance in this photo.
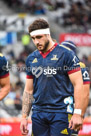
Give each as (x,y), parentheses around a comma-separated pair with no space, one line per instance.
(46,53)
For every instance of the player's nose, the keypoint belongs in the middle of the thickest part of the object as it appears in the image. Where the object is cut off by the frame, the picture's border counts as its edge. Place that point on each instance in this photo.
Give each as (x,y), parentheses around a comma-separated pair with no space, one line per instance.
(36,42)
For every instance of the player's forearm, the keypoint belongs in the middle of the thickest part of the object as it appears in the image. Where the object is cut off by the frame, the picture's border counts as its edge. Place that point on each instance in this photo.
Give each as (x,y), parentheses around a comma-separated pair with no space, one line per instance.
(86,97)
(78,96)
(4,92)
(26,104)
(85,106)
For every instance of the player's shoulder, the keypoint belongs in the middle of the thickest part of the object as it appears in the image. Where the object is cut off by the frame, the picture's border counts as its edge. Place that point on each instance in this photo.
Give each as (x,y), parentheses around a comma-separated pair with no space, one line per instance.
(1,55)
(32,55)
(65,49)
(2,58)
(83,67)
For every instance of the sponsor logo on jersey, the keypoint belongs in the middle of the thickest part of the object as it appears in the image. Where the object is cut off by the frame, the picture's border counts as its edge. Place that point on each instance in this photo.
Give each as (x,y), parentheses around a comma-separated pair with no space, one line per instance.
(35,60)
(86,76)
(75,61)
(54,57)
(69,117)
(69,102)
(64,131)
(49,72)
(37,71)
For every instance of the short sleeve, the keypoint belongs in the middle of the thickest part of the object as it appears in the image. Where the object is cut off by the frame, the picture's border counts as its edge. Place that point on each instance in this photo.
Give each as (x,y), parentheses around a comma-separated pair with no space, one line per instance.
(71,62)
(85,76)
(4,70)
(29,74)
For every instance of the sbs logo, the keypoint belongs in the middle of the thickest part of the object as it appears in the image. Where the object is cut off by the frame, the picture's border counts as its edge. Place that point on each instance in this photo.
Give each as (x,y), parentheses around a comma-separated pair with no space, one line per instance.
(50,71)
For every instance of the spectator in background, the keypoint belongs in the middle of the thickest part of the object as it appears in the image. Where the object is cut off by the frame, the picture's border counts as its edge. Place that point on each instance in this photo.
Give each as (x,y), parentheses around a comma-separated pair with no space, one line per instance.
(59,4)
(39,8)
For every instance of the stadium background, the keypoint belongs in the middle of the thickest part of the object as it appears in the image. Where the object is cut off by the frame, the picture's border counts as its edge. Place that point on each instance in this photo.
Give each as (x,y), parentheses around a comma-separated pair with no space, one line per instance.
(68,19)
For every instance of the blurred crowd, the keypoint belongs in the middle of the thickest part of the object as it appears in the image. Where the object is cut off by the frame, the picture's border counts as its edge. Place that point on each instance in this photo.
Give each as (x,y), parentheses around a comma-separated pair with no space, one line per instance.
(77,14)
(67,13)
(73,13)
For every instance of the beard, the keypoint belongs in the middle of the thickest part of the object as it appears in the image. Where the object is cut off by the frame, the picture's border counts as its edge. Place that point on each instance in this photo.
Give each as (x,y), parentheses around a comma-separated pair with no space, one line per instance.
(43,48)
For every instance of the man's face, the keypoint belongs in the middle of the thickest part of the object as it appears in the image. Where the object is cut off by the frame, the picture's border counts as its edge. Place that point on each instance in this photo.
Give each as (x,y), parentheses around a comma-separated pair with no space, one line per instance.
(41,42)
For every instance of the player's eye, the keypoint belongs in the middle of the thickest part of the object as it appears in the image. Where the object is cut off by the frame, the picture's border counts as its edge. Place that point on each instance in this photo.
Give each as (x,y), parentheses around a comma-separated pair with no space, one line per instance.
(38,37)
(32,38)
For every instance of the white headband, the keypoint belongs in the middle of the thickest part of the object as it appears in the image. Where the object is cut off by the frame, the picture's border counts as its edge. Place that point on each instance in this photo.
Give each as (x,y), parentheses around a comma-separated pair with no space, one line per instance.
(40,31)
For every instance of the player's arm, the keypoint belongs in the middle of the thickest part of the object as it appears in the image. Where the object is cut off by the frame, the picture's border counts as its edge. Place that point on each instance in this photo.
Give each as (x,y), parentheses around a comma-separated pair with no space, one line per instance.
(86,88)
(28,91)
(75,75)
(76,79)
(27,98)
(26,105)
(5,87)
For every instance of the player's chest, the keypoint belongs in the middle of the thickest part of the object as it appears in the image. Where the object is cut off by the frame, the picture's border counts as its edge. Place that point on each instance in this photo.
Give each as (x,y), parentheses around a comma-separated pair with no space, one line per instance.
(53,60)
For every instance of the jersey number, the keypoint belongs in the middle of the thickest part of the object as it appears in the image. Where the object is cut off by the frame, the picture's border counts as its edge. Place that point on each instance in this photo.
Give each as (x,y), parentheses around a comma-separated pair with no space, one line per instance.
(69,101)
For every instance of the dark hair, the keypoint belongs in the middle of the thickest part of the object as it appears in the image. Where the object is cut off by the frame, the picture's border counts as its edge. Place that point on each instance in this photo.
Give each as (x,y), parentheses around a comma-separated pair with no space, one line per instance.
(38,24)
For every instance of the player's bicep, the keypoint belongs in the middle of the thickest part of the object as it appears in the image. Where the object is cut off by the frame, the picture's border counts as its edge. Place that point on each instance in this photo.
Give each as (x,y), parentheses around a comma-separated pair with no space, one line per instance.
(86,78)
(76,78)
(29,86)
(5,81)
(86,88)
(71,63)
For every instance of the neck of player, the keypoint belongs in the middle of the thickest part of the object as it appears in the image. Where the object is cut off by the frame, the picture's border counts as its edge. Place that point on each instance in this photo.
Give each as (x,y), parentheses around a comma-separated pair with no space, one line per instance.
(50,45)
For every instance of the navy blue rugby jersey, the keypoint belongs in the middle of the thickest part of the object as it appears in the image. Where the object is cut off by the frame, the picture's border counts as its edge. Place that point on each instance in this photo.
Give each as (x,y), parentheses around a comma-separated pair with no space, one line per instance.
(85,74)
(4,72)
(53,90)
